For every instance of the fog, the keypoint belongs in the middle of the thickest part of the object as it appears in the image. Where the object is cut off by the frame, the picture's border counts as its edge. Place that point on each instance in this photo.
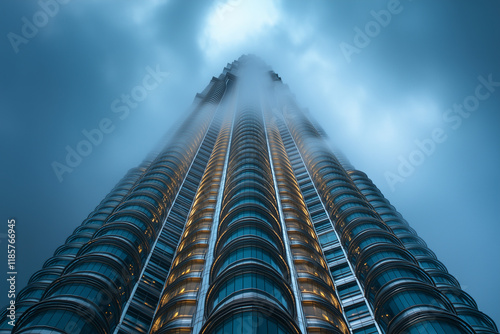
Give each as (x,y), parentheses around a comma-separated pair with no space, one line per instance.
(408,90)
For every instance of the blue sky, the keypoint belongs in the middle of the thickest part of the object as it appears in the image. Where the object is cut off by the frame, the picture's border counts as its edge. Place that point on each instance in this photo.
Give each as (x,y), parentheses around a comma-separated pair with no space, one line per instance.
(394,84)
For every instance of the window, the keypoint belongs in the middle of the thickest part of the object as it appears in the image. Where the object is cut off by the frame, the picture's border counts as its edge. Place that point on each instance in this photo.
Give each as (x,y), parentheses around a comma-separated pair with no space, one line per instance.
(250,323)
(327,239)
(434,326)
(356,312)
(405,299)
(323,226)
(250,253)
(250,230)
(250,282)
(334,254)
(366,330)
(341,271)
(348,290)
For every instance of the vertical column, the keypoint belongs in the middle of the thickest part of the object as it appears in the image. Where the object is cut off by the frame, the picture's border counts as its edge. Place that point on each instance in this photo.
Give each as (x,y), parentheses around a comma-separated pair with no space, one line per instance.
(282,194)
(250,279)
(354,306)
(316,292)
(139,310)
(181,304)
(402,294)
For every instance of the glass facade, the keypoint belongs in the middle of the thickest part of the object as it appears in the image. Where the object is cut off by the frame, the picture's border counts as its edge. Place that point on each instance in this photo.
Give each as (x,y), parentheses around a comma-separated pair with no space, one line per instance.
(245,222)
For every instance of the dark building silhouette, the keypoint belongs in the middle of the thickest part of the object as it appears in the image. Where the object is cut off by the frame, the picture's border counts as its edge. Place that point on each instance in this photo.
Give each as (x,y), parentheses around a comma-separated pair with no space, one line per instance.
(245,222)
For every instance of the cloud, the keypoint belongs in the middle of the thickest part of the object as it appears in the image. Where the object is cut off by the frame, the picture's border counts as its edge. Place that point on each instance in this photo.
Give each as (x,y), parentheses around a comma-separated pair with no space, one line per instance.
(232,23)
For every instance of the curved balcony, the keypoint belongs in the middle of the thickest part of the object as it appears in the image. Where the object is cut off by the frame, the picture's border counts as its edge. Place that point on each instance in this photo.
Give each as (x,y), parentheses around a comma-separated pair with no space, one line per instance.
(354,216)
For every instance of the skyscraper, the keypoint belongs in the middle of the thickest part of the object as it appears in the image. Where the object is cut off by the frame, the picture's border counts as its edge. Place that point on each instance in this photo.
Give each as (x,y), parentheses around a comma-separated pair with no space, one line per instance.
(246,221)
